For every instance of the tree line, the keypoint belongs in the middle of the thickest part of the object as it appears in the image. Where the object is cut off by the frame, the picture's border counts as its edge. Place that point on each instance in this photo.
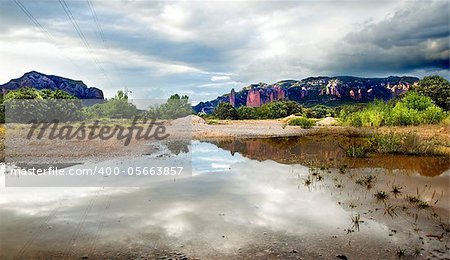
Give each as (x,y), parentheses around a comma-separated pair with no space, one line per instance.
(428,102)
(28,103)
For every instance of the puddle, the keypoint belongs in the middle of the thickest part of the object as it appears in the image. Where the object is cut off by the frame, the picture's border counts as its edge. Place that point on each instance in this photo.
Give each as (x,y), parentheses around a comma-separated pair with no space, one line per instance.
(247,199)
(327,152)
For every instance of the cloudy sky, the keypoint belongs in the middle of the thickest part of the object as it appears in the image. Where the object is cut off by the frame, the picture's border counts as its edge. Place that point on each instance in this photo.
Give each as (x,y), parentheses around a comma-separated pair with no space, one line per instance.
(204,48)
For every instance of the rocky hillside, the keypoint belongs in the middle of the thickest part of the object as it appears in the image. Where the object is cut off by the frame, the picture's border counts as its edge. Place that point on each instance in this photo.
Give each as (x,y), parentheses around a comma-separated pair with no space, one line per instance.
(40,81)
(314,90)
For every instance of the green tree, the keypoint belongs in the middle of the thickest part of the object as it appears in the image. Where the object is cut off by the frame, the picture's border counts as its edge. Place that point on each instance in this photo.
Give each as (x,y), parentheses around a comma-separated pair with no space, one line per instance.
(176,107)
(24,93)
(272,110)
(116,107)
(55,94)
(414,100)
(293,107)
(225,111)
(319,111)
(27,104)
(245,112)
(121,95)
(437,88)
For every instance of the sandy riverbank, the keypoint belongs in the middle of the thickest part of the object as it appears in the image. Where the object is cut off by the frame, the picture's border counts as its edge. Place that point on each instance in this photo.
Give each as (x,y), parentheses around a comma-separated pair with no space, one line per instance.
(439,134)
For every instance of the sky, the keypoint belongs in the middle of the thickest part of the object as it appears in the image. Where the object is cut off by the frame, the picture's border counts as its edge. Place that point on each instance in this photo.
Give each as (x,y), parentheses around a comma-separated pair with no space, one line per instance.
(205,48)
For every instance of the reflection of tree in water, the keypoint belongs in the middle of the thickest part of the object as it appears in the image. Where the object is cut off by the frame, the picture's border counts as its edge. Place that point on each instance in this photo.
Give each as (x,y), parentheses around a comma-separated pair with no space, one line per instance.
(178,146)
(329,152)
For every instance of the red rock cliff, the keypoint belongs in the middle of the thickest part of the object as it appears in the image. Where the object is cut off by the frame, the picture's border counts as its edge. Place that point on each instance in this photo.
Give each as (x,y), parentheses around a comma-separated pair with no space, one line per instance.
(233,98)
(253,98)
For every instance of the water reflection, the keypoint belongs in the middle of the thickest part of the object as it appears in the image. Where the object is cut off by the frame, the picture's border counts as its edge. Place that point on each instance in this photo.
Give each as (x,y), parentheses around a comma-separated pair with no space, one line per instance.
(326,152)
(231,206)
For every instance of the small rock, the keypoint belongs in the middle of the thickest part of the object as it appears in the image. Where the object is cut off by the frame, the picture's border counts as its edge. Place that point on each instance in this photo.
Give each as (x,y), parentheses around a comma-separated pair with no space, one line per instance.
(342,257)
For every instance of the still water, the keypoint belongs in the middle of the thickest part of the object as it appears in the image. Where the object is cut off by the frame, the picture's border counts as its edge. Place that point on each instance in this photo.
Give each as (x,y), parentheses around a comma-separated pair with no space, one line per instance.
(260,198)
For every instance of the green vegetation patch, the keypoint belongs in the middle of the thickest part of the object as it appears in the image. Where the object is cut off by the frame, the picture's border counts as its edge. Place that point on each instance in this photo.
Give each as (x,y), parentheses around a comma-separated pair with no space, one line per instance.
(302,121)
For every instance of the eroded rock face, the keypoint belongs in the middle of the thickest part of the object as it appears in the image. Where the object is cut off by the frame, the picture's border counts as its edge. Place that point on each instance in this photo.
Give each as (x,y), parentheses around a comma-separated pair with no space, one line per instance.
(258,96)
(41,81)
(315,90)
(332,88)
(355,95)
(253,98)
(233,97)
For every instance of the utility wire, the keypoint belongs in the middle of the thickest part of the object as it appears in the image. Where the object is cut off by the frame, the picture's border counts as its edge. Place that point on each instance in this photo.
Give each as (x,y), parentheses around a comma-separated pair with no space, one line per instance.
(39,26)
(83,38)
(104,41)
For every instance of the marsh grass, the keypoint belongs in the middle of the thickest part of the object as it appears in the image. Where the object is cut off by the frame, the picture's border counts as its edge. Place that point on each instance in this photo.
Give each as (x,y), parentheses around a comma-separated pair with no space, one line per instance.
(390,210)
(423,205)
(396,190)
(356,221)
(343,169)
(400,253)
(366,181)
(381,196)
(308,181)
(356,152)
(412,199)
(213,122)
(410,140)
(401,143)
(302,122)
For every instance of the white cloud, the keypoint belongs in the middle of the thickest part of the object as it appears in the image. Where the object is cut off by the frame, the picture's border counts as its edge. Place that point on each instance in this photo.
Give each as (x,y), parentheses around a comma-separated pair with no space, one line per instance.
(220,78)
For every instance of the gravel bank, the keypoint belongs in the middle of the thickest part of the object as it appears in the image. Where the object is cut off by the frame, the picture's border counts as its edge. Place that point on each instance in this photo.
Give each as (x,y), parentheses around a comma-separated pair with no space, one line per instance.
(248,129)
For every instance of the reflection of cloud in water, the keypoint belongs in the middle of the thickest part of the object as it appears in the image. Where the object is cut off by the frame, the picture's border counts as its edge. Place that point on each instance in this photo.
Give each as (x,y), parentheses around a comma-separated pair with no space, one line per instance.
(237,204)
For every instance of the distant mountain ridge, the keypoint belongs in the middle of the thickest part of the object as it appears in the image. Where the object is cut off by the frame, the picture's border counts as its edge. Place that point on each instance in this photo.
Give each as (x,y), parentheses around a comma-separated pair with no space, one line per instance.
(314,90)
(40,81)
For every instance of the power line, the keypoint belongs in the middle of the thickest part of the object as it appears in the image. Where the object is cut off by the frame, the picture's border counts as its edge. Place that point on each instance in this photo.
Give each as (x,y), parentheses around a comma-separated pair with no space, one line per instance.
(97,22)
(83,38)
(46,32)
(103,39)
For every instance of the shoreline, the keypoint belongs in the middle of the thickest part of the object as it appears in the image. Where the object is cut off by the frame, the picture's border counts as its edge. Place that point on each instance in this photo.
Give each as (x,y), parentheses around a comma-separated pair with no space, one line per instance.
(436,135)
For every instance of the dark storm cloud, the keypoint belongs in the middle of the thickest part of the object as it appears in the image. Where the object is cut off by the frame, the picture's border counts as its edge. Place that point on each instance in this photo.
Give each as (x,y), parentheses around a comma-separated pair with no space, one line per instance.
(414,38)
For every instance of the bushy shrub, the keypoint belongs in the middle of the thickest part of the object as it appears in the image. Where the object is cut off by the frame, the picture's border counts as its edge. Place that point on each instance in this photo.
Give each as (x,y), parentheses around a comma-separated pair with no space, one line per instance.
(411,109)
(302,121)
(414,100)
(355,120)
(26,104)
(402,115)
(117,107)
(245,112)
(176,106)
(272,110)
(437,88)
(319,111)
(432,115)
(225,111)
(356,152)
(404,143)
